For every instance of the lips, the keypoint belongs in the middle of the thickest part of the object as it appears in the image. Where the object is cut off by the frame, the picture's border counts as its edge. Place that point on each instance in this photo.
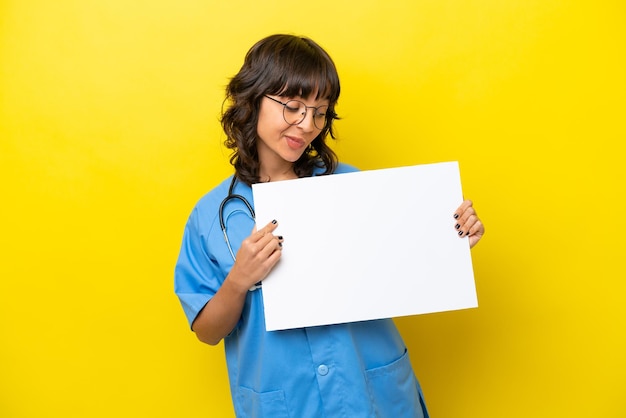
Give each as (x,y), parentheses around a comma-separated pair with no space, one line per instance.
(295,143)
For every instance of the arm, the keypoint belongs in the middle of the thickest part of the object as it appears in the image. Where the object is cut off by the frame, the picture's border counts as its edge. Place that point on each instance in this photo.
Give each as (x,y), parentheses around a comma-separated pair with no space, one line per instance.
(256,257)
(468,224)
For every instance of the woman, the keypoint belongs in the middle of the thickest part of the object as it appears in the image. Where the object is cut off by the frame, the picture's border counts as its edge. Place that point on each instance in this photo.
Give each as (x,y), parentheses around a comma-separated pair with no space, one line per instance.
(279,114)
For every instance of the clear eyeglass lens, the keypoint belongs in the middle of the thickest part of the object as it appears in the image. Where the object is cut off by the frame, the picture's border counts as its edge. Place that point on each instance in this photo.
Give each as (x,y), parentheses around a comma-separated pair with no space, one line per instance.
(295,111)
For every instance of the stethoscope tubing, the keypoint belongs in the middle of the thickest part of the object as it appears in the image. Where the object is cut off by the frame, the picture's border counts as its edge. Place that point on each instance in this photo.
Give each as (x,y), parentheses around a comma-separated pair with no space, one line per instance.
(230,197)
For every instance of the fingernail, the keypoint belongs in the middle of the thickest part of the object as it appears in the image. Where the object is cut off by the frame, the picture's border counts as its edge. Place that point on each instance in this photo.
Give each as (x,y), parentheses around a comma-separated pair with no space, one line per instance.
(460,233)
(467,233)
(280,237)
(274,221)
(457,226)
(456,216)
(280,244)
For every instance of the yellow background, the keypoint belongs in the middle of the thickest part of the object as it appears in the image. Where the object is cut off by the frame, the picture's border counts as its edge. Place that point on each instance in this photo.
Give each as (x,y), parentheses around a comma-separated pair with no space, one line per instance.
(109,134)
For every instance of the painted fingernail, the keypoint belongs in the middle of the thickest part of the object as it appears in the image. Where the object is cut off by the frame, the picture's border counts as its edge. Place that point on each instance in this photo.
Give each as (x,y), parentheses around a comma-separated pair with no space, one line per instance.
(460,233)
(456,216)
(280,244)
(280,237)
(467,233)
(274,221)
(457,226)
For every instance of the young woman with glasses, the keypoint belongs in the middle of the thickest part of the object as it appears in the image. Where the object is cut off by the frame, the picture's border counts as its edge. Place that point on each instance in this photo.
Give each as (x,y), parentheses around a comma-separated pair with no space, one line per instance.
(279,111)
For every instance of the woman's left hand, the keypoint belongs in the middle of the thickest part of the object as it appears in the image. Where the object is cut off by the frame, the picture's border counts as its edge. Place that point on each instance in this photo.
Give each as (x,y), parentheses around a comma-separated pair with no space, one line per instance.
(468,224)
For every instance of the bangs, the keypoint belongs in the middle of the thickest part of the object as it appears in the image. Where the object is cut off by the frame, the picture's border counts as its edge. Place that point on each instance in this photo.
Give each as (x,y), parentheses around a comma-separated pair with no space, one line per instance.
(303,71)
(304,85)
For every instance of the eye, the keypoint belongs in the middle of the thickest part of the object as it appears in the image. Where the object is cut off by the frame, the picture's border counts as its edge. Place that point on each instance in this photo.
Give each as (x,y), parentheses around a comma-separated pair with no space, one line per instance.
(320,112)
(293,107)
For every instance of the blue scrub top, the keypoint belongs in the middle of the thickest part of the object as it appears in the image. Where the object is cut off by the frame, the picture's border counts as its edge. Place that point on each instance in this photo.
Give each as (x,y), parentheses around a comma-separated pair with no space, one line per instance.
(359,369)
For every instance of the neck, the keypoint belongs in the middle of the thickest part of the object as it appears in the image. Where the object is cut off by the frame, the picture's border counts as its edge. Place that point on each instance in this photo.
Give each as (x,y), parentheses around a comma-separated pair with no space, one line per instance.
(287,173)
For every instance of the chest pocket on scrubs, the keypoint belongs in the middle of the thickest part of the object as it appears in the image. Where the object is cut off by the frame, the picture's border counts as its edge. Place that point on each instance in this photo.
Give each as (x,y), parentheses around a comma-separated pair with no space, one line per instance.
(261,405)
(394,390)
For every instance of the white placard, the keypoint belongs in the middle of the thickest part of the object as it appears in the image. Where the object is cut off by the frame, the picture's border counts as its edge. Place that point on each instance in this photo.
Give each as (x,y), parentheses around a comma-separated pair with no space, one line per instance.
(366,245)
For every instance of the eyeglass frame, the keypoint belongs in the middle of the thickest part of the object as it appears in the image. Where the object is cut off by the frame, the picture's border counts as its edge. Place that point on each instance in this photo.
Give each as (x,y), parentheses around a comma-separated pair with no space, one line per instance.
(328,114)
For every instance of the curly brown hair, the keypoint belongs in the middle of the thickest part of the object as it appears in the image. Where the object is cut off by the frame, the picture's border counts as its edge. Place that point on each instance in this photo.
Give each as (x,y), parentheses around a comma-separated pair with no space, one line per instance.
(282,65)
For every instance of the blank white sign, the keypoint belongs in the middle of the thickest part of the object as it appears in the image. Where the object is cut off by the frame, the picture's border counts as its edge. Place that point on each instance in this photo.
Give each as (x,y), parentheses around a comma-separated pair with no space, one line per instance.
(366,245)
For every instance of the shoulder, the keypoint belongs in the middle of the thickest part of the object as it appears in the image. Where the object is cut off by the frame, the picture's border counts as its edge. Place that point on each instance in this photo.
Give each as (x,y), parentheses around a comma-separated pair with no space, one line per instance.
(208,205)
(340,169)
(345,168)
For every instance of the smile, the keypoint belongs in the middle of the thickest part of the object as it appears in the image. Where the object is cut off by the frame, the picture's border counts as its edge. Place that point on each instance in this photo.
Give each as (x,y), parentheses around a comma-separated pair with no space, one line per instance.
(295,143)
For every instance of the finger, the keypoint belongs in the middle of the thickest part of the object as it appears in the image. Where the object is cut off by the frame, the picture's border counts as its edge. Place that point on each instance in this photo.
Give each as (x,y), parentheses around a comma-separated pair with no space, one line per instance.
(269,228)
(255,242)
(477,228)
(273,259)
(464,222)
(465,227)
(462,208)
(476,233)
(256,235)
(269,244)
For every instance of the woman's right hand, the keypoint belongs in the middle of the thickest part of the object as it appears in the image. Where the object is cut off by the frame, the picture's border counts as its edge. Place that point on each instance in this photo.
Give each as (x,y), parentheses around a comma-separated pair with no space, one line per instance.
(256,257)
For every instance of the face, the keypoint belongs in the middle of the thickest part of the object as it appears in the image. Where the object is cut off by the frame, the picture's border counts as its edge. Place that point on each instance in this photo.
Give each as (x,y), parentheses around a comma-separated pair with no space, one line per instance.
(281,144)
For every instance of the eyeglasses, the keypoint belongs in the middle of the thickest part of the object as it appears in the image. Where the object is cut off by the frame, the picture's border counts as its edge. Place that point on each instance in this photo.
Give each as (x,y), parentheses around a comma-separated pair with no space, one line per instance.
(294,112)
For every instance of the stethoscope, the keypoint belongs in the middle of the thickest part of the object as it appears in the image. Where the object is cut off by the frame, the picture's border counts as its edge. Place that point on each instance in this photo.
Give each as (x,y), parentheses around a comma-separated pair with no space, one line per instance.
(232,196)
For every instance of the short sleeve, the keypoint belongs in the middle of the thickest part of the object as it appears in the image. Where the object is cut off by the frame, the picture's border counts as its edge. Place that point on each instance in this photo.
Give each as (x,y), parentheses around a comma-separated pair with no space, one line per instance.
(197,276)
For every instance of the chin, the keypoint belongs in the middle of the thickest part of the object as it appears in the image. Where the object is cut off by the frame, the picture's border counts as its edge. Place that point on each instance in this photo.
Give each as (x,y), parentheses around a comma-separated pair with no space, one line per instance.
(292,158)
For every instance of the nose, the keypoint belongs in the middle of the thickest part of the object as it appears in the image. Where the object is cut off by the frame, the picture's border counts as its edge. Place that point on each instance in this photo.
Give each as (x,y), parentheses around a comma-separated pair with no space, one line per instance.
(307,124)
